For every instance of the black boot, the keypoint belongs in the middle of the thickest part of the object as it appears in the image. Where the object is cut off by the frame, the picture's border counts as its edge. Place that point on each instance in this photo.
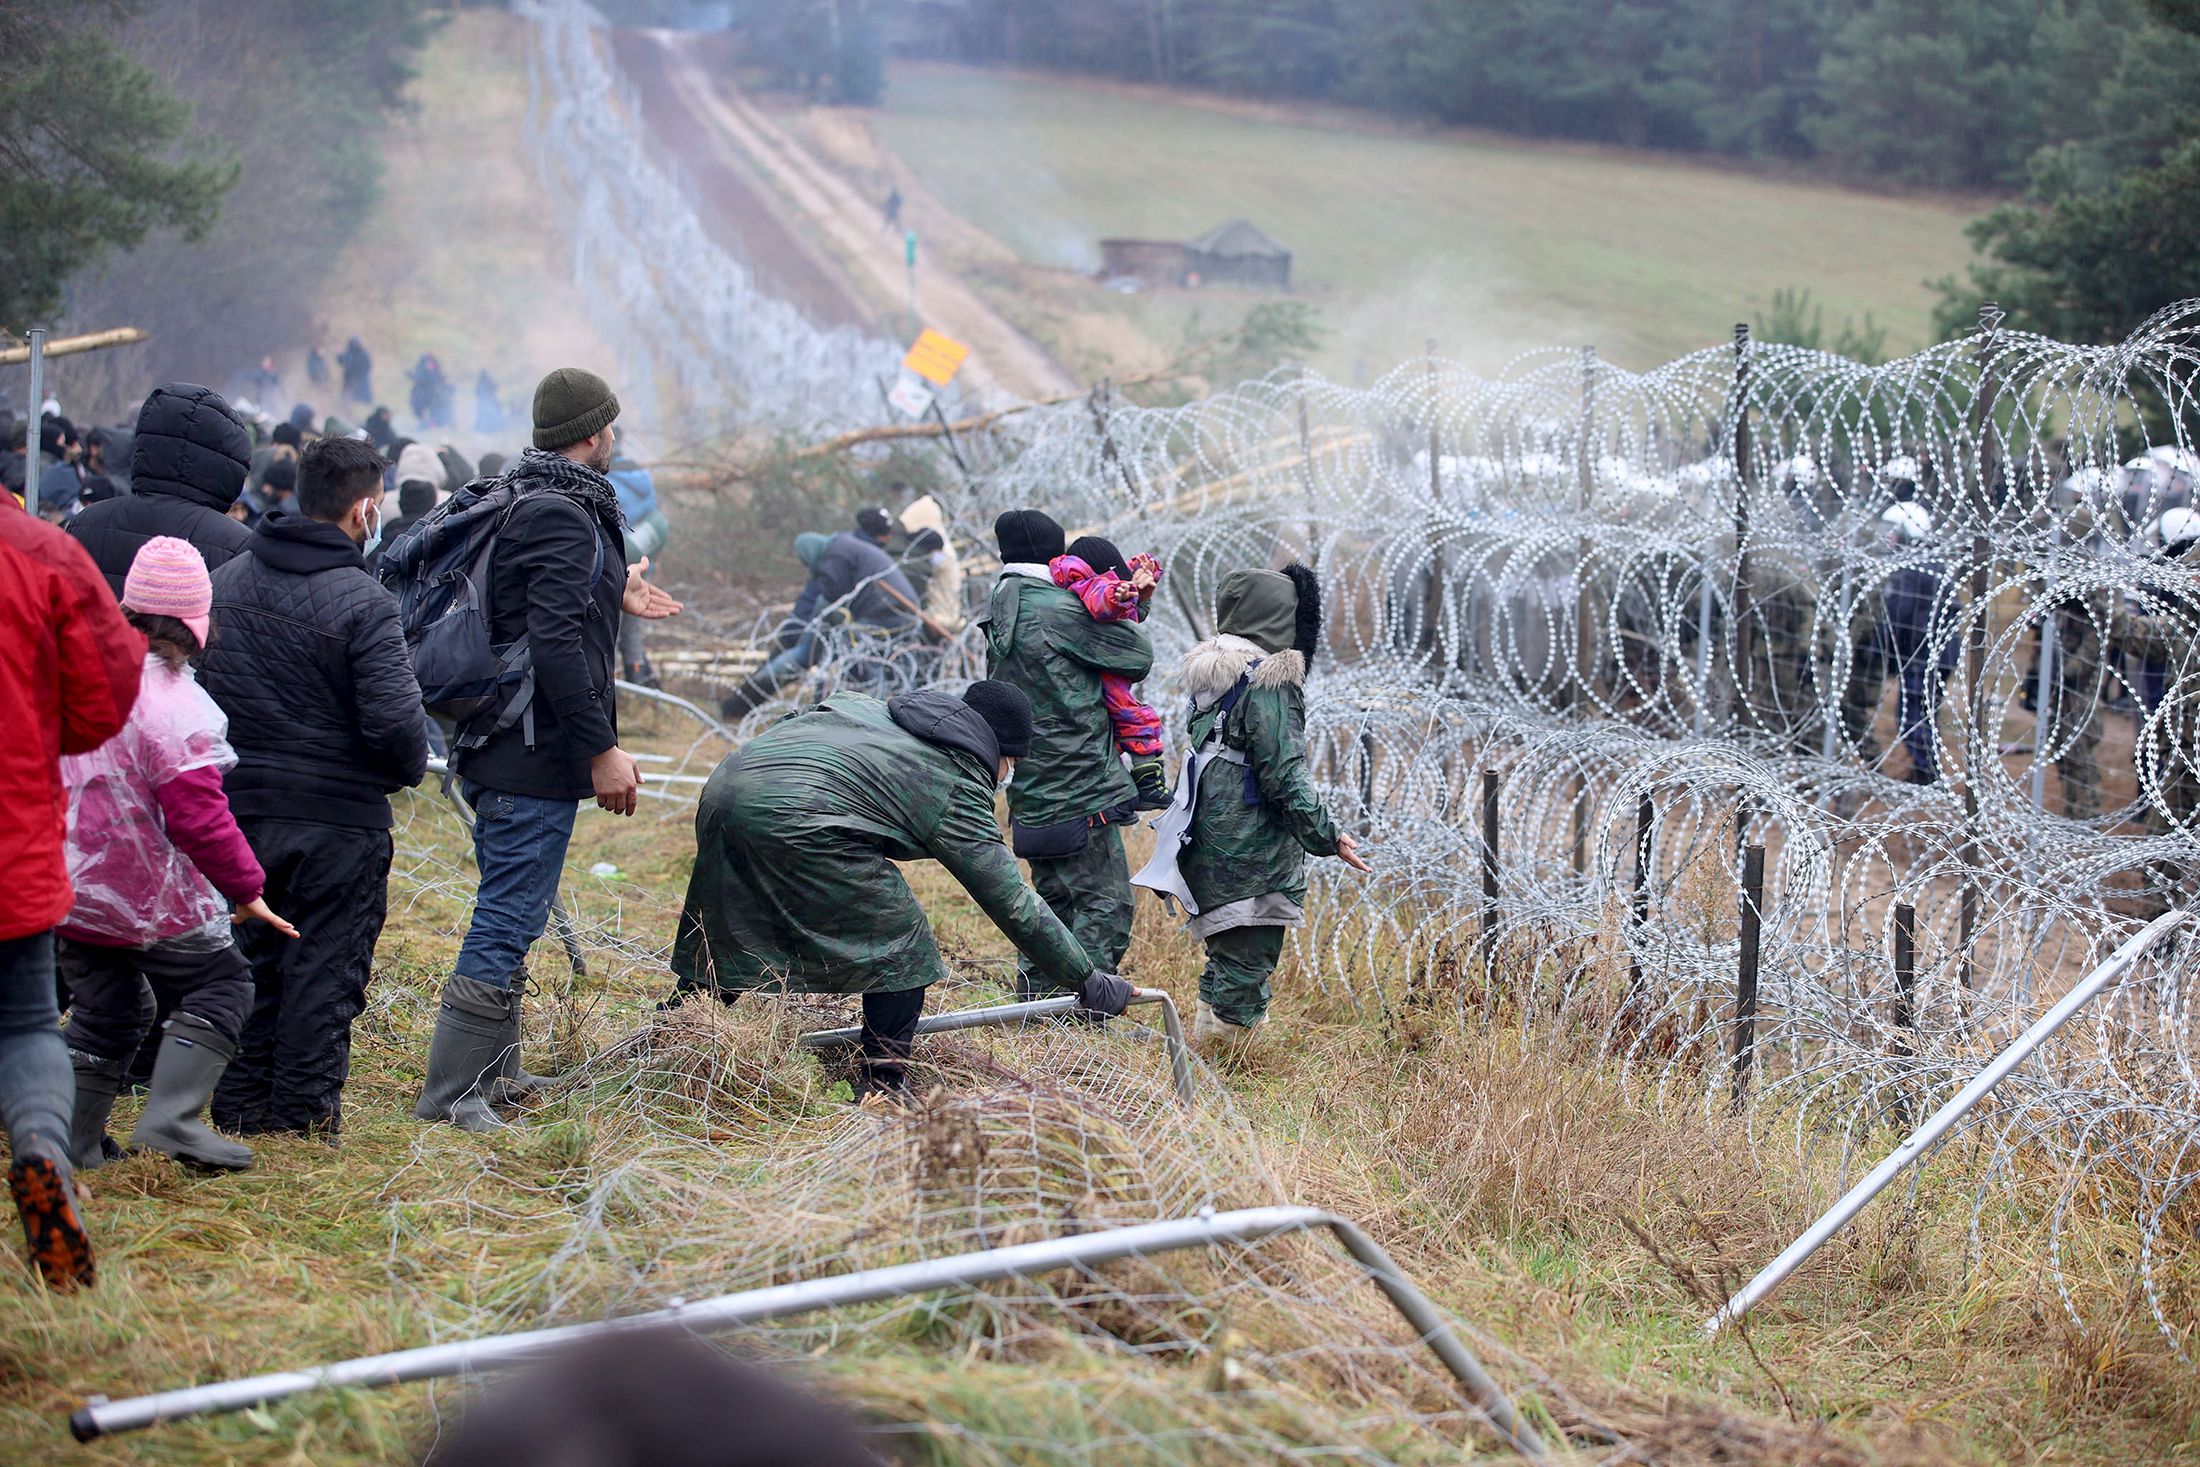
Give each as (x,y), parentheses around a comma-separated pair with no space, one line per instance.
(463,1055)
(193,1055)
(1153,786)
(97,1081)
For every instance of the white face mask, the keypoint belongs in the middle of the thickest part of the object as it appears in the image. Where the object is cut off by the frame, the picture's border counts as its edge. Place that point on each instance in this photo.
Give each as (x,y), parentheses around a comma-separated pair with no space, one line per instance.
(373,542)
(1010,777)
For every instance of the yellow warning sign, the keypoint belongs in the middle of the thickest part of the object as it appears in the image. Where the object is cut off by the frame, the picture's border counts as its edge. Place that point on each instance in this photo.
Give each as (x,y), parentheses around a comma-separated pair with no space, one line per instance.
(935,358)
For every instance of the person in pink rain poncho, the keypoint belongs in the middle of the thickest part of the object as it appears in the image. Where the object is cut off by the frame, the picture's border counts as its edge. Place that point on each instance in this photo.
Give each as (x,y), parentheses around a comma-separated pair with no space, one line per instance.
(157,860)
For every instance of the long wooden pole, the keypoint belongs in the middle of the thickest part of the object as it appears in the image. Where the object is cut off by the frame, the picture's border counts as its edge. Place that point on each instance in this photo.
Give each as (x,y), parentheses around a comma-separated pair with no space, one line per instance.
(69,346)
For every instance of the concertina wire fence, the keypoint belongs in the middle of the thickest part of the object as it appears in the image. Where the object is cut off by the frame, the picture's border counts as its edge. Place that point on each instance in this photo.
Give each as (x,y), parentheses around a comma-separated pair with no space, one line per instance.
(1694,591)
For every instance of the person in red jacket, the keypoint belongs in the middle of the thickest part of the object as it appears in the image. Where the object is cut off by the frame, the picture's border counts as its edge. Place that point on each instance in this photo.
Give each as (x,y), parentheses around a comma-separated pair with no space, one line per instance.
(69,670)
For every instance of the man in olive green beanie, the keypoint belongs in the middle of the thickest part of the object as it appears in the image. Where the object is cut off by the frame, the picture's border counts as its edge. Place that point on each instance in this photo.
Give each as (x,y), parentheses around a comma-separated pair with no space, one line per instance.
(559,582)
(572,404)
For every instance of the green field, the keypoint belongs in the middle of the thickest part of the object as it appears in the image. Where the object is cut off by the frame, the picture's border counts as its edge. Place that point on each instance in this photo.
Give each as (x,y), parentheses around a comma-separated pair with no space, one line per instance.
(1490,247)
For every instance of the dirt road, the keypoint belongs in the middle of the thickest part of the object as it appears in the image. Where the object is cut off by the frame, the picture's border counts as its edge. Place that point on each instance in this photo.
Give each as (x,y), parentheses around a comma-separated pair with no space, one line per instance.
(828,211)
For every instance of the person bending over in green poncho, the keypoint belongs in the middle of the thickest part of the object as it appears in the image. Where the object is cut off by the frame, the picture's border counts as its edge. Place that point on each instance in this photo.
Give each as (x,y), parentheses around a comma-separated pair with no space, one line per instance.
(796,837)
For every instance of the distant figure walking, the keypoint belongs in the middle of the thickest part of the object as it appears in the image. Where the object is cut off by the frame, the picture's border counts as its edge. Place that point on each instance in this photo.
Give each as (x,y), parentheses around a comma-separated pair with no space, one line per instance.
(358,369)
(488,410)
(430,392)
(316,367)
(893,210)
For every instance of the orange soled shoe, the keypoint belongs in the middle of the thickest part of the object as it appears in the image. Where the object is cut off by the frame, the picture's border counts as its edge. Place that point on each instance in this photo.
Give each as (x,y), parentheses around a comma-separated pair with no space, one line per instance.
(60,1249)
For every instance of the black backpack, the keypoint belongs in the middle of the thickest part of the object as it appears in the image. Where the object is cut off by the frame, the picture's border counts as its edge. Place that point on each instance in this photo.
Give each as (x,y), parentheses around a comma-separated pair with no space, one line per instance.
(439,572)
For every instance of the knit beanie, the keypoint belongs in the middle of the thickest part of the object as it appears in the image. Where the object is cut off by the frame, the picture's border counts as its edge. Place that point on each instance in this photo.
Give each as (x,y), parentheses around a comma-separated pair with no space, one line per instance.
(1100,554)
(1027,536)
(875,523)
(169,578)
(572,403)
(281,474)
(1006,711)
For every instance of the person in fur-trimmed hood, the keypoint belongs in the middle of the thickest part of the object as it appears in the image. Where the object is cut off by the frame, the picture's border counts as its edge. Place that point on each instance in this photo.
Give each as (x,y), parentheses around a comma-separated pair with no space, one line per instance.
(1257,816)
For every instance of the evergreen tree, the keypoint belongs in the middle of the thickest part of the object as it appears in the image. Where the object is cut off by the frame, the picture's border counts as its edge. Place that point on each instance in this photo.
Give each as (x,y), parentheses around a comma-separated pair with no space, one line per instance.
(89,162)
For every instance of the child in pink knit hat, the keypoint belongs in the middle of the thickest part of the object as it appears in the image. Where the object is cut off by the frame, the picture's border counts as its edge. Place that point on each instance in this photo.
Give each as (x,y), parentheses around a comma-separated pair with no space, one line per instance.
(157,860)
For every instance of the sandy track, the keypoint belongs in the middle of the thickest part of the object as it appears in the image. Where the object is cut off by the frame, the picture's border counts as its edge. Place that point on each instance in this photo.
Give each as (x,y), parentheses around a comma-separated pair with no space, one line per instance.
(1004,362)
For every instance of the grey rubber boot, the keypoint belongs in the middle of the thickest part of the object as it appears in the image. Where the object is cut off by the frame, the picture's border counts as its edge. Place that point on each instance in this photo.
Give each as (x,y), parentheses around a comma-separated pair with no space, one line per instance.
(97,1082)
(192,1056)
(463,1056)
(514,1082)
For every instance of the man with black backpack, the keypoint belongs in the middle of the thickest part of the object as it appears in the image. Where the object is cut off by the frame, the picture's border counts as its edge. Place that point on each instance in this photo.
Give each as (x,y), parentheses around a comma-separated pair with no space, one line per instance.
(525,661)
(312,669)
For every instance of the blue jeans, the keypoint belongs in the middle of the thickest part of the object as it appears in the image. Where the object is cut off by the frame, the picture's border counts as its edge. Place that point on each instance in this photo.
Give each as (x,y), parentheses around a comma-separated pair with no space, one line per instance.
(785,664)
(519,845)
(37,1086)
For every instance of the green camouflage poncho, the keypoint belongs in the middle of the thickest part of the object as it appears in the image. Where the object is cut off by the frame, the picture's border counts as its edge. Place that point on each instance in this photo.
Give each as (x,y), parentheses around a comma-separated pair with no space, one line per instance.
(797,834)
(1040,637)
(1239,851)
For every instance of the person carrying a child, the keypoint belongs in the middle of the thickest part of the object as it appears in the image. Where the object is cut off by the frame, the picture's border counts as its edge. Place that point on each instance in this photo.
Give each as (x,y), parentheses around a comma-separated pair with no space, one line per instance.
(1115,589)
(157,859)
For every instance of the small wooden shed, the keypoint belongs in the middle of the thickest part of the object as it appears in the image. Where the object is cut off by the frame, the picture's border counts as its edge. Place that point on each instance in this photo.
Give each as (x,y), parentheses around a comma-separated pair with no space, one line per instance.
(1235,253)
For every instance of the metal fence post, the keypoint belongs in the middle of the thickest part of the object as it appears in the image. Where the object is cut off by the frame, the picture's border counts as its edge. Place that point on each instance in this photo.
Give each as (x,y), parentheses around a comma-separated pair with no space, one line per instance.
(1745,990)
(1490,924)
(1974,653)
(1638,911)
(34,419)
(1905,994)
(1740,610)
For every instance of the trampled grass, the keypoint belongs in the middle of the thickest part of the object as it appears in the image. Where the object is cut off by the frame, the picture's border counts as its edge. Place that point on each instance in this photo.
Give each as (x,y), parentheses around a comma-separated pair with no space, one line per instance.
(1488,246)
(1562,1212)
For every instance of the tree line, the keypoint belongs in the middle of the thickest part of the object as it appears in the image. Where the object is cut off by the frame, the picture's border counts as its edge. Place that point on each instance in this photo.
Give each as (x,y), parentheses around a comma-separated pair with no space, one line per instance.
(230,147)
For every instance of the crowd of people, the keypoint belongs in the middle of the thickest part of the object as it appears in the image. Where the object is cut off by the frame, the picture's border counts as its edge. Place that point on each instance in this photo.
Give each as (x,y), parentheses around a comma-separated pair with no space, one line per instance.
(223,706)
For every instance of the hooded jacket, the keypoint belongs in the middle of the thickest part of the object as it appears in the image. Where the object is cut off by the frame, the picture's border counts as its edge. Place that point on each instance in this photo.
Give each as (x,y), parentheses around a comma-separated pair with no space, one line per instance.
(310,665)
(1040,637)
(66,687)
(796,837)
(188,461)
(1258,816)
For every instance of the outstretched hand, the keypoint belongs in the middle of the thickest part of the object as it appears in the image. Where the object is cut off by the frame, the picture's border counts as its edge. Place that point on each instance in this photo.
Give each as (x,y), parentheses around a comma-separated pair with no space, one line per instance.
(1348,851)
(257,910)
(651,603)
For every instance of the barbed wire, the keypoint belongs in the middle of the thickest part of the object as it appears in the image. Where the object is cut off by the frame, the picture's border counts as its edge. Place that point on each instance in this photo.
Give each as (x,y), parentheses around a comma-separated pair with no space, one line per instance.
(1684,592)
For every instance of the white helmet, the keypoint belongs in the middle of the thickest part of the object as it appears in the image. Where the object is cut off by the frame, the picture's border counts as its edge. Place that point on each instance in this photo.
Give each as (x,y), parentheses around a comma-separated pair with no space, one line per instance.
(1901,467)
(1801,471)
(2177,530)
(1906,522)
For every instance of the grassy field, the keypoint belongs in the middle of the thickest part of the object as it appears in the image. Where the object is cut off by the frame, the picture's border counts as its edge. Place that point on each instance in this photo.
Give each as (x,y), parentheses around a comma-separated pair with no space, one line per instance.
(463,257)
(1515,1181)
(1488,246)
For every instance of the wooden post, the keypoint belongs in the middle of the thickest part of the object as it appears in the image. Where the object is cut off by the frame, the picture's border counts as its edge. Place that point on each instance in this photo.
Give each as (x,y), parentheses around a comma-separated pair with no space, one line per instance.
(1905,993)
(1745,989)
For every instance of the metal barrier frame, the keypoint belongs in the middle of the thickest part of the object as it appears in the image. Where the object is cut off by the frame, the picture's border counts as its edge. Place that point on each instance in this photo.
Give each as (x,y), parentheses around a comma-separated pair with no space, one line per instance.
(1918,1142)
(1172,1027)
(100,1417)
